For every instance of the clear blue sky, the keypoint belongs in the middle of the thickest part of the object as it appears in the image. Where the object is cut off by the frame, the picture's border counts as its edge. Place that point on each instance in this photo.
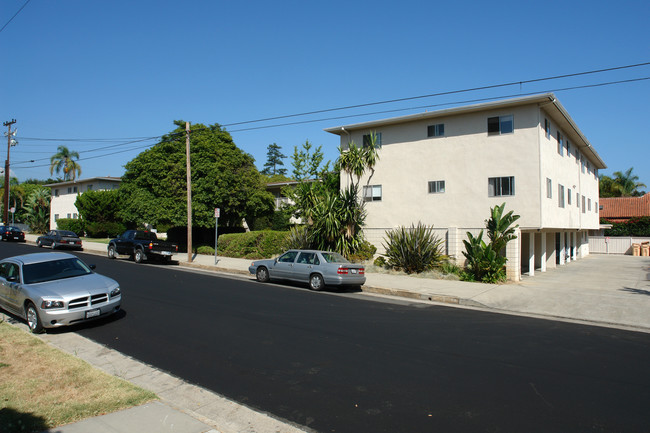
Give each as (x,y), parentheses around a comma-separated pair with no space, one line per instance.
(78,69)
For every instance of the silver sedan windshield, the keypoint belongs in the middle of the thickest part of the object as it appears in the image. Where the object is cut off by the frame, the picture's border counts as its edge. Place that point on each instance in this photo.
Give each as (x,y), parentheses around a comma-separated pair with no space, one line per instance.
(54,270)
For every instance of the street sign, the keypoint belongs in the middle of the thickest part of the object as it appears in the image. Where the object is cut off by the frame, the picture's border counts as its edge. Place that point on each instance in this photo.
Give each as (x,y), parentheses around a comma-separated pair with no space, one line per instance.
(217,211)
(12,209)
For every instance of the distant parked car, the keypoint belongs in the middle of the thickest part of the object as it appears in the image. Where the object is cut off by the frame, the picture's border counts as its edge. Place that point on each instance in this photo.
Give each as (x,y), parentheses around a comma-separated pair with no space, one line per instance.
(60,239)
(55,289)
(141,245)
(317,268)
(11,233)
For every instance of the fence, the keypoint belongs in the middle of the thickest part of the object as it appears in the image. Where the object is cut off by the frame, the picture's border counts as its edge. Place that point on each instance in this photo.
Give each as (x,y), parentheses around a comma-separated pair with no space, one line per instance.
(613,245)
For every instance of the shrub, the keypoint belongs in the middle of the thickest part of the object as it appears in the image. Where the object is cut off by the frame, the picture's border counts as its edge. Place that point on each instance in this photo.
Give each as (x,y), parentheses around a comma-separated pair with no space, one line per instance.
(299,237)
(483,263)
(204,249)
(104,230)
(73,225)
(380,262)
(414,250)
(365,252)
(252,245)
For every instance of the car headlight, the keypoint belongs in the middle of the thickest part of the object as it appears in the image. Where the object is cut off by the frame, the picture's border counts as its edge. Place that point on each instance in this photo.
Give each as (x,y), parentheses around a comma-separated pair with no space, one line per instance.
(49,304)
(116,292)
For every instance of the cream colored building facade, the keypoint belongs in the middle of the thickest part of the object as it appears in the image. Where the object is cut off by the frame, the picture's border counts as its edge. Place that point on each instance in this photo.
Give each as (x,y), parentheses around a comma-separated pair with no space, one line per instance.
(64,195)
(447,169)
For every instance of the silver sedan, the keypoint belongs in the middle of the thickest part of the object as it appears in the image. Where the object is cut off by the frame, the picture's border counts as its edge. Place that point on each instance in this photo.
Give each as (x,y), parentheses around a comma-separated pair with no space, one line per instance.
(318,268)
(55,289)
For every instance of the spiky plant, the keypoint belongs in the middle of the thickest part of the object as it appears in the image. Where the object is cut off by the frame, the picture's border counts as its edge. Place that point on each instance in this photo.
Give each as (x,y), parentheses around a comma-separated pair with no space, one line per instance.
(414,250)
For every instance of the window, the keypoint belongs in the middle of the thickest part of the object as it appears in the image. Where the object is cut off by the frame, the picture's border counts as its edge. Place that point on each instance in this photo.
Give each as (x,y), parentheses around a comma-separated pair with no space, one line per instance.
(308,259)
(69,216)
(74,189)
(56,216)
(583,204)
(500,125)
(578,200)
(582,163)
(288,257)
(89,187)
(596,208)
(560,144)
(436,130)
(367,139)
(75,216)
(69,190)
(589,204)
(560,195)
(549,188)
(568,148)
(499,186)
(600,207)
(436,186)
(577,156)
(56,193)
(547,128)
(568,196)
(372,193)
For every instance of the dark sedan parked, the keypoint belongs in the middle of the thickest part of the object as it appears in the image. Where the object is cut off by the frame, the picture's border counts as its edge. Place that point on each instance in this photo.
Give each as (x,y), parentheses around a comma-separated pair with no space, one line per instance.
(11,233)
(60,239)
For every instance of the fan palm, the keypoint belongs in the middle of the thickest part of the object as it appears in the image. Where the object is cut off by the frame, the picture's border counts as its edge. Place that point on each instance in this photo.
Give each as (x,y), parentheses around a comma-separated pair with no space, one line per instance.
(63,160)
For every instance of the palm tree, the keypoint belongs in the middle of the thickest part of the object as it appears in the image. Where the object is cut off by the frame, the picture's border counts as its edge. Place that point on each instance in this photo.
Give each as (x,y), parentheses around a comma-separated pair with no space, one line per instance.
(627,183)
(63,160)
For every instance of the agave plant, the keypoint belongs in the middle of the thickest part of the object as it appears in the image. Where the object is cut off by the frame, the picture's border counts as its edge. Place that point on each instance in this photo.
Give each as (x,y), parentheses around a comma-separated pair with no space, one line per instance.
(414,250)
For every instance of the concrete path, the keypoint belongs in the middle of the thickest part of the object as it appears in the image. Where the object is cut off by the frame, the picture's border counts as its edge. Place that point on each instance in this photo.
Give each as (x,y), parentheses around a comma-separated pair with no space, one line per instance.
(599,290)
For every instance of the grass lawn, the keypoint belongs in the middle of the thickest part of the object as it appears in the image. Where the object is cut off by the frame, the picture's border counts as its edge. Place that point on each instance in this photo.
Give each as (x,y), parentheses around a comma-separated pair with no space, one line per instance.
(98,240)
(42,387)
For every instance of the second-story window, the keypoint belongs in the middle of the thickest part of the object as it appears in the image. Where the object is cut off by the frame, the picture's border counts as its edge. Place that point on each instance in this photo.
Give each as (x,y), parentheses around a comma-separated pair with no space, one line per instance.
(367,139)
(500,186)
(436,130)
(372,193)
(436,186)
(500,125)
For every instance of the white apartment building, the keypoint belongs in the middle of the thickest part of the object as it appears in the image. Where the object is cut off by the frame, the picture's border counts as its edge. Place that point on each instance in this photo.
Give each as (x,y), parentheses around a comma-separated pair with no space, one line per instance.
(64,195)
(447,169)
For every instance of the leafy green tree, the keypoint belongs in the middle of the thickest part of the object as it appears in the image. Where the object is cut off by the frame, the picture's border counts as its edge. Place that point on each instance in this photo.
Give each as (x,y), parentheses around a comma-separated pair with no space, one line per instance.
(623,184)
(274,159)
(607,187)
(64,161)
(154,186)
(99,206)
(37,210)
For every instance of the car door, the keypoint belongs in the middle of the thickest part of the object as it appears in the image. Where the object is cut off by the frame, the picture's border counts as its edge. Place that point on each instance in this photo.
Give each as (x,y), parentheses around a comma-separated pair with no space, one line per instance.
(125,243)
(10,286)
(283,267)
(48,239)
(304,266)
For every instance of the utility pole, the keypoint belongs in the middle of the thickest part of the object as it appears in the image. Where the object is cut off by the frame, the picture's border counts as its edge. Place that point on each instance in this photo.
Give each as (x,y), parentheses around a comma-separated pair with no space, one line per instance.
(6,197)
(189,192)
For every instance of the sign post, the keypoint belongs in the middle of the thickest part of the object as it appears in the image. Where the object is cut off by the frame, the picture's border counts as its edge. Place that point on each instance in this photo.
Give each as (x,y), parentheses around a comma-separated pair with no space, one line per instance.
(217,211)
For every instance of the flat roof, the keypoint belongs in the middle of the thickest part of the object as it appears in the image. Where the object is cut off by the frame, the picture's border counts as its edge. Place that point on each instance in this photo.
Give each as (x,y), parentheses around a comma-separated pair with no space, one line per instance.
(547,100)
(76,181)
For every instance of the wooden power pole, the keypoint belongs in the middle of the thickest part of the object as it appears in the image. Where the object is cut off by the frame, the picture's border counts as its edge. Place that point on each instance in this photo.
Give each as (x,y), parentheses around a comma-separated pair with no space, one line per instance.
(189,192)
(6,197)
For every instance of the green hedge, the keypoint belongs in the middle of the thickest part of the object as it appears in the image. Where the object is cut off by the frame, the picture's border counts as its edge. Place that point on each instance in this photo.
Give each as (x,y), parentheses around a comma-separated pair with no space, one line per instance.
(73,225)
(252,245)
(633,227)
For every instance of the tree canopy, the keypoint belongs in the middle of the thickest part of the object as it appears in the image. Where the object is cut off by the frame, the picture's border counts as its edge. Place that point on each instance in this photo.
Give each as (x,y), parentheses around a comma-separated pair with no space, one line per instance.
(623,184)
(154,184)
(64,160)
(274,159)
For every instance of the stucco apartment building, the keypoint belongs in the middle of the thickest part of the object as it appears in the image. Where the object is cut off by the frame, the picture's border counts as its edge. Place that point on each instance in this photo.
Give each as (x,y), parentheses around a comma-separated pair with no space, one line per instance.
(447,169)
(64,195)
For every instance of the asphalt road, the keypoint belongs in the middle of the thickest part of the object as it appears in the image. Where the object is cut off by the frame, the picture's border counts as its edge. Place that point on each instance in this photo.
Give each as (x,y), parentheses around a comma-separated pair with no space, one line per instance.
(347,363)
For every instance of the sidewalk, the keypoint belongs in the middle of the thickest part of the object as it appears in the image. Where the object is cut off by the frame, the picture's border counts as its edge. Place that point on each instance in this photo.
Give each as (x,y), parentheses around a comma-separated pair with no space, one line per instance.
(598,290)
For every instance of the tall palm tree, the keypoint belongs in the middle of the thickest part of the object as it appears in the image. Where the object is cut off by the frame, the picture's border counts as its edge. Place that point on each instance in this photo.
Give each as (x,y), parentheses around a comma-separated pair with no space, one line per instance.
(63,160)
(627,183)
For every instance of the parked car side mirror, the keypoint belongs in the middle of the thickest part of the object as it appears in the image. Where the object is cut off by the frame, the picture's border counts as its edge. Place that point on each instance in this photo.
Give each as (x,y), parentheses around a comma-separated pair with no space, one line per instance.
(12,279)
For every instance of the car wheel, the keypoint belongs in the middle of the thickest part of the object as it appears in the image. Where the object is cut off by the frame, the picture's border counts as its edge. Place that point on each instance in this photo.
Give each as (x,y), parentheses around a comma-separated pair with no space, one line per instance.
(262,274)
(33,321)
(111,252)
(138,256)
(53,245)
(316,282)
(39,243)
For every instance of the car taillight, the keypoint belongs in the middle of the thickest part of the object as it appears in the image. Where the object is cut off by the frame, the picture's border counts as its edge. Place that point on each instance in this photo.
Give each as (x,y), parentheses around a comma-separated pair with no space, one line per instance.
(362,271)
(342,271)
(151,245)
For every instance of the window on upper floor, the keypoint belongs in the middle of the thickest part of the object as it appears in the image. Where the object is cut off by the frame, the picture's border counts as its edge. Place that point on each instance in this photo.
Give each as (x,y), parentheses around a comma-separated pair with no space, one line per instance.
(560,195)
(500,186)
(560,144)
(500,125)
(583,204)
(436,130)
(589,204)
(436,186)
(549,188)
(568,196)
(578,200)
(596,208)
(577,156)
(372,193)
(547,128)
(368,139)
(568,147)
(582,163)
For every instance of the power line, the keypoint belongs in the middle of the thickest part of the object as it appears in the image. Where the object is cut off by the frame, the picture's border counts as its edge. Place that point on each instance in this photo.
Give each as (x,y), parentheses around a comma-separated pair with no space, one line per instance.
(7,23)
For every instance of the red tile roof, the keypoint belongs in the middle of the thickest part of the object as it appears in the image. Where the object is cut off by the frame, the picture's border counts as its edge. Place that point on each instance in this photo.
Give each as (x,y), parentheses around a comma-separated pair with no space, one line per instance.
(625,207)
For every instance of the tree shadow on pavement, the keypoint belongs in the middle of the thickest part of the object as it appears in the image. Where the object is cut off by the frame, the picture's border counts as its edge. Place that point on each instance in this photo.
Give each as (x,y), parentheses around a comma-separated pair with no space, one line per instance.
(636,291)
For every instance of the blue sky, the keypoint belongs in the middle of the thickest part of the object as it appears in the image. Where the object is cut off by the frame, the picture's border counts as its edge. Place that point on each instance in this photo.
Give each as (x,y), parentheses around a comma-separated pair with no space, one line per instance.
(86,70)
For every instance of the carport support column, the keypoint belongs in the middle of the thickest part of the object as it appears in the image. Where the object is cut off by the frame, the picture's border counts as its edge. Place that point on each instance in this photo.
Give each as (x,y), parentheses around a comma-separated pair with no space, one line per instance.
(561,250)
(574,248)
(543,248)
(531,254)
(513,265)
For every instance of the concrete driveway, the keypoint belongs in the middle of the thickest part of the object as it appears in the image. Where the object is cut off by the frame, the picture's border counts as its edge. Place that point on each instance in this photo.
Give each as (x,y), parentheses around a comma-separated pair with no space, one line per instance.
(612,289)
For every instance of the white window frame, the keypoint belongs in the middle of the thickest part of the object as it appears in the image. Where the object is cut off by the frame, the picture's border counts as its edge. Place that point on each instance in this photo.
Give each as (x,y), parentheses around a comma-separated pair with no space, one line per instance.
(560,143)
(549,188)
(496,186)
(560,195)
(372,193)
